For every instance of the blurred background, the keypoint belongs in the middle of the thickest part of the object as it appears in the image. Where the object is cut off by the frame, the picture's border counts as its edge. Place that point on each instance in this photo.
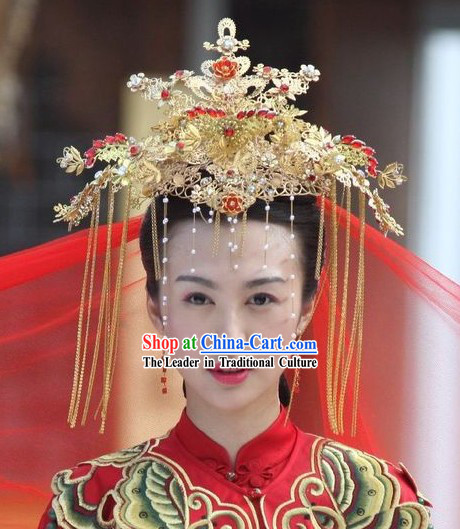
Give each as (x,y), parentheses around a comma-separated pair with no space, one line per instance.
(390,74)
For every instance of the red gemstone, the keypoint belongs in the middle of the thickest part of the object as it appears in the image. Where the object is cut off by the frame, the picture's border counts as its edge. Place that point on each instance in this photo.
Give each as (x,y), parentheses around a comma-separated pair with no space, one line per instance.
(267,69)
(221,114)
(284,87)
(241,114)
(348,139)
(179,73)
(119,137)
(312,177)
(369,151)
(372,171)
(110,139)
(212,112)
(200,110)
(357,144)
(373,162)
(271,115)
(251,113)
(165,94)
(98,144)
(229,132)
(230,172)
(90,153)
(262,113)
(89,162)
(180,145)
(134,150)
(191,114)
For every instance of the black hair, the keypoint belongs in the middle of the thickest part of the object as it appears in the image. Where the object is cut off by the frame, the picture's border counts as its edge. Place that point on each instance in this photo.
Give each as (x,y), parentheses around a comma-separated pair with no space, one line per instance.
(306,228)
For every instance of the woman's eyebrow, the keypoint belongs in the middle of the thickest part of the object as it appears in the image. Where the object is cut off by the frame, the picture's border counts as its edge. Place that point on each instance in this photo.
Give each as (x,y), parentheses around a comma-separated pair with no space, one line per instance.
(197,279)
(263,280)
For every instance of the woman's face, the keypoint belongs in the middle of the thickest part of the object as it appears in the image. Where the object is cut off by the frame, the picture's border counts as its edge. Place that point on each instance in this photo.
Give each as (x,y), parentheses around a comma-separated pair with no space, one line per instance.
(219,298)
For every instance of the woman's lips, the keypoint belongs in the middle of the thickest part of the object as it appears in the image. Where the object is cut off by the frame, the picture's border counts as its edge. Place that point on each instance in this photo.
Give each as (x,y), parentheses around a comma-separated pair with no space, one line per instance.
(229,376)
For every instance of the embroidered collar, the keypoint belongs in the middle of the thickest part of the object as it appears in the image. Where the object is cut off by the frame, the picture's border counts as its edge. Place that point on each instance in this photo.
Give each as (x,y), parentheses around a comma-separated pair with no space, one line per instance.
(257,462)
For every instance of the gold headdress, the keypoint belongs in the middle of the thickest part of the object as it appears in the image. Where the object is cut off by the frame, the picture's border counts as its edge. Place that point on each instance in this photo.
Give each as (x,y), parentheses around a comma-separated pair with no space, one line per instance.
(248,136)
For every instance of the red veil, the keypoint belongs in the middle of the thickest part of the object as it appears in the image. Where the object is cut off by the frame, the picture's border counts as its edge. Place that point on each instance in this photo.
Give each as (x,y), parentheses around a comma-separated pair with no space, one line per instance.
(412,316)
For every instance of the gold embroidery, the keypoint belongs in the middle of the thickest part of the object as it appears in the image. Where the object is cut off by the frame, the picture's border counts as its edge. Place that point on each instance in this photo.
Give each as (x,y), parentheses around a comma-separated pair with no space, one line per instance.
(365,491)
(343,487)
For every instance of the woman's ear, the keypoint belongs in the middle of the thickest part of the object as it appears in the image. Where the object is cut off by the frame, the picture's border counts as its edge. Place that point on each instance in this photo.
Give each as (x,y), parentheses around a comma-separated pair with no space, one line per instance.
(154,312)
(306,315)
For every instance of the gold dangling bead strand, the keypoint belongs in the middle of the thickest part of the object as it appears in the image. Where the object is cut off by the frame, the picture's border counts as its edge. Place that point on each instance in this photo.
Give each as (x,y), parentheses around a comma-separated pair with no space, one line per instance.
(155,246)
(216,233)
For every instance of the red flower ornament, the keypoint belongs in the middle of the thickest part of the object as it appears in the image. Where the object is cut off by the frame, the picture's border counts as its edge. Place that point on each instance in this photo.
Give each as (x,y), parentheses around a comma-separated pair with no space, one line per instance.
(225,69)
(232,203)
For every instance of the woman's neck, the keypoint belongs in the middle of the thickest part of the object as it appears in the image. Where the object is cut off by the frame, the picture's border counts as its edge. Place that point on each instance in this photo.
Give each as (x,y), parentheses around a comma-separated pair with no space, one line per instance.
(233,428)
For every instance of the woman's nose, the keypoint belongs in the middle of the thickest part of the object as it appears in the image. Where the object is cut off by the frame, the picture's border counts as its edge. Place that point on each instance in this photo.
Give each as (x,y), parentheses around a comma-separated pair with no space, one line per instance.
(232,325)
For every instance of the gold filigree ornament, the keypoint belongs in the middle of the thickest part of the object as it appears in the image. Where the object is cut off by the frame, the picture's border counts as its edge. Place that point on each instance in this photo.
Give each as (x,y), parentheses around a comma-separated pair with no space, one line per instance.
(231,139)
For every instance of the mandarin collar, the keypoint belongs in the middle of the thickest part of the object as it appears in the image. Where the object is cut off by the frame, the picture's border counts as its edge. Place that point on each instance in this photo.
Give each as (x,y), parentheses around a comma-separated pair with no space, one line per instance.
(257,462)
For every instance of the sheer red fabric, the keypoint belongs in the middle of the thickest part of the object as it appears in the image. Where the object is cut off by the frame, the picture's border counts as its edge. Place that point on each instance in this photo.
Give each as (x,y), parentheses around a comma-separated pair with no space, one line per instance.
(39,301)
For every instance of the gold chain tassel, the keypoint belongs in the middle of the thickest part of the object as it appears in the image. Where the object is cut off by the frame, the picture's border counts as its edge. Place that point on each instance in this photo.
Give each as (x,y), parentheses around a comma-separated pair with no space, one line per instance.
(361,269)
(340,357)
(80,360)
(354,345)
(320,239)
(103,305)
(115,317)
(155,247)
(243,230)
(331,403)
(216,234)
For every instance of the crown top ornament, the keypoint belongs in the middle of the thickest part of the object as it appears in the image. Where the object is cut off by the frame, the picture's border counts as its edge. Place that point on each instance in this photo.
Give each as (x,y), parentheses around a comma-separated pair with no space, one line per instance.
(230,139)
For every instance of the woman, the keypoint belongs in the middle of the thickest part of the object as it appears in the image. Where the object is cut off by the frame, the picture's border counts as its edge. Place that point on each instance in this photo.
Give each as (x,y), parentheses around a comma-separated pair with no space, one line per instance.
(233,460)
(240,152)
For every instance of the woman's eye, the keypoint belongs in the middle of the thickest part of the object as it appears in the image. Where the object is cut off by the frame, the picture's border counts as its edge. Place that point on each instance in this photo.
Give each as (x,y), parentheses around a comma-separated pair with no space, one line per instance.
(261,299)
(197,299)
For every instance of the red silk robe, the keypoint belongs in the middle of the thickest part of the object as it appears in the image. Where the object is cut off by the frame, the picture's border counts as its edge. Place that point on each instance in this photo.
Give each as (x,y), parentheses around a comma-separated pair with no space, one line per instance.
(283,478)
